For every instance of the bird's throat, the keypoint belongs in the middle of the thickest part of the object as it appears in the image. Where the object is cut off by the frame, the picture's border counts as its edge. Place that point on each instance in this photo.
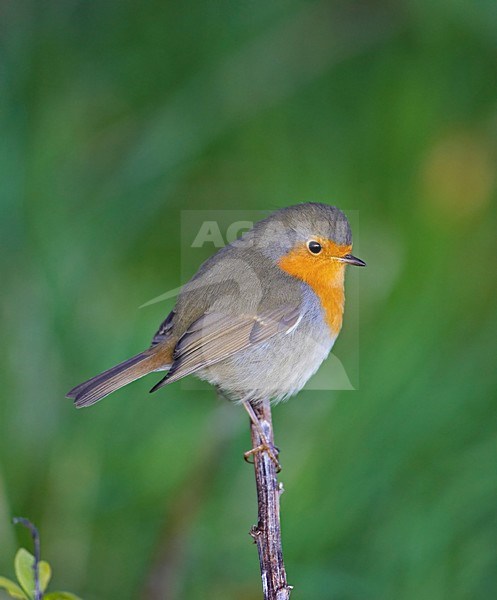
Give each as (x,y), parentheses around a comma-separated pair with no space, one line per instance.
(326,280)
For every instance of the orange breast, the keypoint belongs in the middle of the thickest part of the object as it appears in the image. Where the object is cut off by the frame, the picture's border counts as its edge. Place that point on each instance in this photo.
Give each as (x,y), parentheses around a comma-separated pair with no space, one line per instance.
(324,275)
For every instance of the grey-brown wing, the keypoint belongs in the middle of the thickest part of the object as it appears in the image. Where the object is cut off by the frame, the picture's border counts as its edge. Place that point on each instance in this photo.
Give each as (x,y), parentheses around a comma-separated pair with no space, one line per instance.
(164,329)
(216,336)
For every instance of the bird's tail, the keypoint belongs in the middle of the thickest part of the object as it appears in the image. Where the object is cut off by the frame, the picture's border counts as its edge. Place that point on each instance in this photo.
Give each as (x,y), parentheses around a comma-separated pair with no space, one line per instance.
(109,381)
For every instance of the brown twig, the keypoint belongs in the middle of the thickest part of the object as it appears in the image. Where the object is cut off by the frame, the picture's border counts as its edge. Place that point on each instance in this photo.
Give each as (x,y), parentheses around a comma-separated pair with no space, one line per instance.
(267,532)
(38,594)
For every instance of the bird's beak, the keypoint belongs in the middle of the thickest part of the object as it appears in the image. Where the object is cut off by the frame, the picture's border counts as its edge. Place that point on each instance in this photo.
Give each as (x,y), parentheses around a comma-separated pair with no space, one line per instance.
(352,260)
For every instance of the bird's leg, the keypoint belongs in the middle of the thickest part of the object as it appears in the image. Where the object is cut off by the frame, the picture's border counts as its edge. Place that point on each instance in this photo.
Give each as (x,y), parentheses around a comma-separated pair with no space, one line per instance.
(265,445)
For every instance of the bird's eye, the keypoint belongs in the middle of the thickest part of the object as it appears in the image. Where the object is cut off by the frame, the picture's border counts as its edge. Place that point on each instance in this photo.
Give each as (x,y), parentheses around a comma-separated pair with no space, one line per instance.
(314,247)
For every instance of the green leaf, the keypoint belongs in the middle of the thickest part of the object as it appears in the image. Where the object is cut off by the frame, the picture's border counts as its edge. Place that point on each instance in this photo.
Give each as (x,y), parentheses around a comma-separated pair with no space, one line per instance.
(12,588)
(45,574)
(61,596)
(23,564)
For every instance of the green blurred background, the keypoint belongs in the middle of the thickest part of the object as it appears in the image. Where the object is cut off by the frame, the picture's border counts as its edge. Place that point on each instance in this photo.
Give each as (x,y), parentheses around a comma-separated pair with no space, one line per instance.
(116,116)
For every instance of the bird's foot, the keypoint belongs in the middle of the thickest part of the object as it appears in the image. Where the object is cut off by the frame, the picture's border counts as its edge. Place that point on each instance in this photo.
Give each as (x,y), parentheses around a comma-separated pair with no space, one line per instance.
(265,445)
(272,452)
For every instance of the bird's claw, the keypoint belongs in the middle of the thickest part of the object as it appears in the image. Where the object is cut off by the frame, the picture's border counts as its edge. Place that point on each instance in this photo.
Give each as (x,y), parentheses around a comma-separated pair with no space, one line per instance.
(272,452)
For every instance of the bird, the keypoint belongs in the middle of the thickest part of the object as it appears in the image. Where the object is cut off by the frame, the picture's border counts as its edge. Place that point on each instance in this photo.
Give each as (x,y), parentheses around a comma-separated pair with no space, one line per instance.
(257,319)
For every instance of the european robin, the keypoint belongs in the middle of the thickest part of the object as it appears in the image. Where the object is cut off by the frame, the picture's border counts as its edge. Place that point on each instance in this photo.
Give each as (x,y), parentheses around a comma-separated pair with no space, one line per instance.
(259,316)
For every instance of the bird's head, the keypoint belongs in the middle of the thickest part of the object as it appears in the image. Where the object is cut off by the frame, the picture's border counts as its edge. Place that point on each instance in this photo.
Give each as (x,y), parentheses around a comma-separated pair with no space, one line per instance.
(311,241)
